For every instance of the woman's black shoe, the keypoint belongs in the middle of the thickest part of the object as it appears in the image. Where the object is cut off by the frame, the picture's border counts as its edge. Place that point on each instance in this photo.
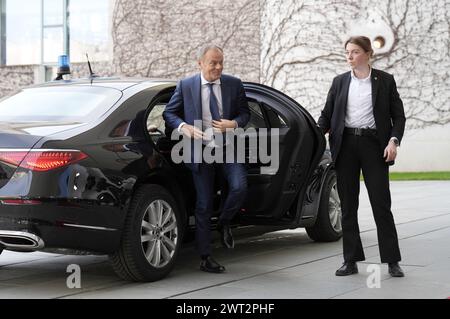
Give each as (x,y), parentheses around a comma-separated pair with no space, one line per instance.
(395,270)
(349,268)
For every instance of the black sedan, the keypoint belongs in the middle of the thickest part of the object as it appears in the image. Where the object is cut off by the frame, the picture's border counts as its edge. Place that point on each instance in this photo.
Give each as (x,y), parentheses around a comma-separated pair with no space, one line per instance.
(85,166)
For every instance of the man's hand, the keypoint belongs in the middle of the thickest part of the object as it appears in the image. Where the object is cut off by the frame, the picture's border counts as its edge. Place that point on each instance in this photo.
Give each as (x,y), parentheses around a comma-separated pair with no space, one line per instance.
(390,152)
(191,131)
(222,125)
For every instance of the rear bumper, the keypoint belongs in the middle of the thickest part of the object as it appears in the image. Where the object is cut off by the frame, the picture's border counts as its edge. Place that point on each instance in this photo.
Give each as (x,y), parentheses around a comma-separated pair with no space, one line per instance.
(59,224)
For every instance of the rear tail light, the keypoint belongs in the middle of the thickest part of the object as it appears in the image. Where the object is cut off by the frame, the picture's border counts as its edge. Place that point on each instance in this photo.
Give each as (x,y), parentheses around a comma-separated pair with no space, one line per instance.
(12,157)
(41,160)
(17,202)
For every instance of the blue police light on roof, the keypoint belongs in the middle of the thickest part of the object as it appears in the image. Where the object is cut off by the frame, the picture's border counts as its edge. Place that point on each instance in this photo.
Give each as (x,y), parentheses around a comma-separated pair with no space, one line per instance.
(63,66)
(63,61)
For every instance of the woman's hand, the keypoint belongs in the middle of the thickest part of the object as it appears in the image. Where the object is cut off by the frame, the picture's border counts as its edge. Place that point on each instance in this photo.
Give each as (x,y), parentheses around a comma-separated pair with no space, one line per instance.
(390,152)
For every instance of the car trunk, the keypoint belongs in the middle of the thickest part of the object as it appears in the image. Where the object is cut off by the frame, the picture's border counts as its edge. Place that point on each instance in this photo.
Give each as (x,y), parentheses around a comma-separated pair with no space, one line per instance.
(16,140)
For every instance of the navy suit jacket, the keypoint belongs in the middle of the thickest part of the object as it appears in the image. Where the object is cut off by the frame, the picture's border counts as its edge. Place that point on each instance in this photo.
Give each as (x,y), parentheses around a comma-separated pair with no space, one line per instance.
(186,104)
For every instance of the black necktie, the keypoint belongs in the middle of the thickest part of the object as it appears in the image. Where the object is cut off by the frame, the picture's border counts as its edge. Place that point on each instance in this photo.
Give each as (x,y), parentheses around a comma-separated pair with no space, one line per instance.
(213,106)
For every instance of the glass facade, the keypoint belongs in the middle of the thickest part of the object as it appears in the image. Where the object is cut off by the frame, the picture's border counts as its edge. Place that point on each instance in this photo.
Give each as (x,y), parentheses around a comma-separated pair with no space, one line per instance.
(54,30)
(52,41)
(90,23)
(53,12)
(23,32)
(38,31)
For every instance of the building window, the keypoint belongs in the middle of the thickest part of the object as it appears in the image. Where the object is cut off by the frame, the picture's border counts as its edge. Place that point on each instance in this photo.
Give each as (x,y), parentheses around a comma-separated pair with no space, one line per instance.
(90,30)
(23,32)
(54,30)
(2,32)
(38,31)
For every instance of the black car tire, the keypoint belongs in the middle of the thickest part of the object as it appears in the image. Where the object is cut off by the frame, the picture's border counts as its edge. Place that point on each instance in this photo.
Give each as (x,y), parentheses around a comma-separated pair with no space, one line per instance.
(326,230)
(130,261)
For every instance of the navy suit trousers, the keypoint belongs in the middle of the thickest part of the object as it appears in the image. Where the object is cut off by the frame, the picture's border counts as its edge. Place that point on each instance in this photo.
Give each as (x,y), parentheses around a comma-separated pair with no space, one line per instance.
(235,175)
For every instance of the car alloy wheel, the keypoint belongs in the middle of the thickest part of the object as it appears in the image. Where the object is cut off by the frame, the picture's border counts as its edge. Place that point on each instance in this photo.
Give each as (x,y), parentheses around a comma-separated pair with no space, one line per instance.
(328,224)
(151,237)
(334,209)
(159,233)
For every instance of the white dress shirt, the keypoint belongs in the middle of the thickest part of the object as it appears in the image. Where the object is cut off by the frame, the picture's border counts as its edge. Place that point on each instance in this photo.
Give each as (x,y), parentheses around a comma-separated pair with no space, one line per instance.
(206,113)
(359,103)
(205,95)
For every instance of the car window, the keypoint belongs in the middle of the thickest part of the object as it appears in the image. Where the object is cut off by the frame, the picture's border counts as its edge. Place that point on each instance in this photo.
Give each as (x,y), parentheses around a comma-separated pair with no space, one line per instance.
(282,121)
(58,103)
(155,121)
(256,116)
(275,119)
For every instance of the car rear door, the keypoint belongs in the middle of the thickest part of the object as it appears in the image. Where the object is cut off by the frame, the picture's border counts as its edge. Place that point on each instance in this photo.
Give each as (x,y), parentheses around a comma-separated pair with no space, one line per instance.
(296,148)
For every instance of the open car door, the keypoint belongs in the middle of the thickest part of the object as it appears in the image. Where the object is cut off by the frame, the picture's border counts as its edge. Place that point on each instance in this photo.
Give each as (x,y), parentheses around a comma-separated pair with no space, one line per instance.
(294,147)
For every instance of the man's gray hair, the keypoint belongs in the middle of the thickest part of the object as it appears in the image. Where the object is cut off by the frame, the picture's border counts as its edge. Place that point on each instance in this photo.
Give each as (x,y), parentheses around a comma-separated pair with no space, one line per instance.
(202,51)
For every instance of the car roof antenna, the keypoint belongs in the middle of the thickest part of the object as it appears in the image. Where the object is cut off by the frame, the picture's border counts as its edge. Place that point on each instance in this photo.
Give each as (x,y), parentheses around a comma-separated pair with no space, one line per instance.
(92,75)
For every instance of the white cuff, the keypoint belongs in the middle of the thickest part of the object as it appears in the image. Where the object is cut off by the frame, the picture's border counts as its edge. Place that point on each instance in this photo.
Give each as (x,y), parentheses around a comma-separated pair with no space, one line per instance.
(180,126)
(395,140)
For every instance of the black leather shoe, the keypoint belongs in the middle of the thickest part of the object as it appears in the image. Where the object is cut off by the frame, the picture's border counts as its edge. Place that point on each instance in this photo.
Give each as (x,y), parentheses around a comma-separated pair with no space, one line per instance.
(395,270)
(226,236)
(210,265)
(348,268)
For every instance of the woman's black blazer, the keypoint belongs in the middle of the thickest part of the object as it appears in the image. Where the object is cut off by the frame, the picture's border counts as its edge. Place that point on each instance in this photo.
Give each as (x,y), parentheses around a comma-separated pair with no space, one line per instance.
(387,109)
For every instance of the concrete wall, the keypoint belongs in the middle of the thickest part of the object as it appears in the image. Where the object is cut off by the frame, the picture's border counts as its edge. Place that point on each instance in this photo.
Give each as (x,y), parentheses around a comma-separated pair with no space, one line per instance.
(426,149)
(155,38)
(302,50)
(100,68)
(14,77)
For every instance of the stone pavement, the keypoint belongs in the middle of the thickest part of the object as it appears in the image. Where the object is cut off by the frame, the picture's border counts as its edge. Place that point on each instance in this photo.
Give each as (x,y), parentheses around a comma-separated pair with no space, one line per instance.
(282,264)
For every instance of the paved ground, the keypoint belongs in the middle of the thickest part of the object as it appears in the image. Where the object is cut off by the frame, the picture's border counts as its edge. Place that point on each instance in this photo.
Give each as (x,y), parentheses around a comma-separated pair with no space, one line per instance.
(283,264)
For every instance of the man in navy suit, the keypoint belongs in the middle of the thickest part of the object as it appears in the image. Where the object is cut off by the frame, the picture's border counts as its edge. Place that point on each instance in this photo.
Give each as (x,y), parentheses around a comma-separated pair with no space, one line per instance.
(218,102)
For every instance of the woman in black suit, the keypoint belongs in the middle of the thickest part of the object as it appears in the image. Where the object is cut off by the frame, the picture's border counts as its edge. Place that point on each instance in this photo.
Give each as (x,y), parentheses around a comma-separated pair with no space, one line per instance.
(365,120)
